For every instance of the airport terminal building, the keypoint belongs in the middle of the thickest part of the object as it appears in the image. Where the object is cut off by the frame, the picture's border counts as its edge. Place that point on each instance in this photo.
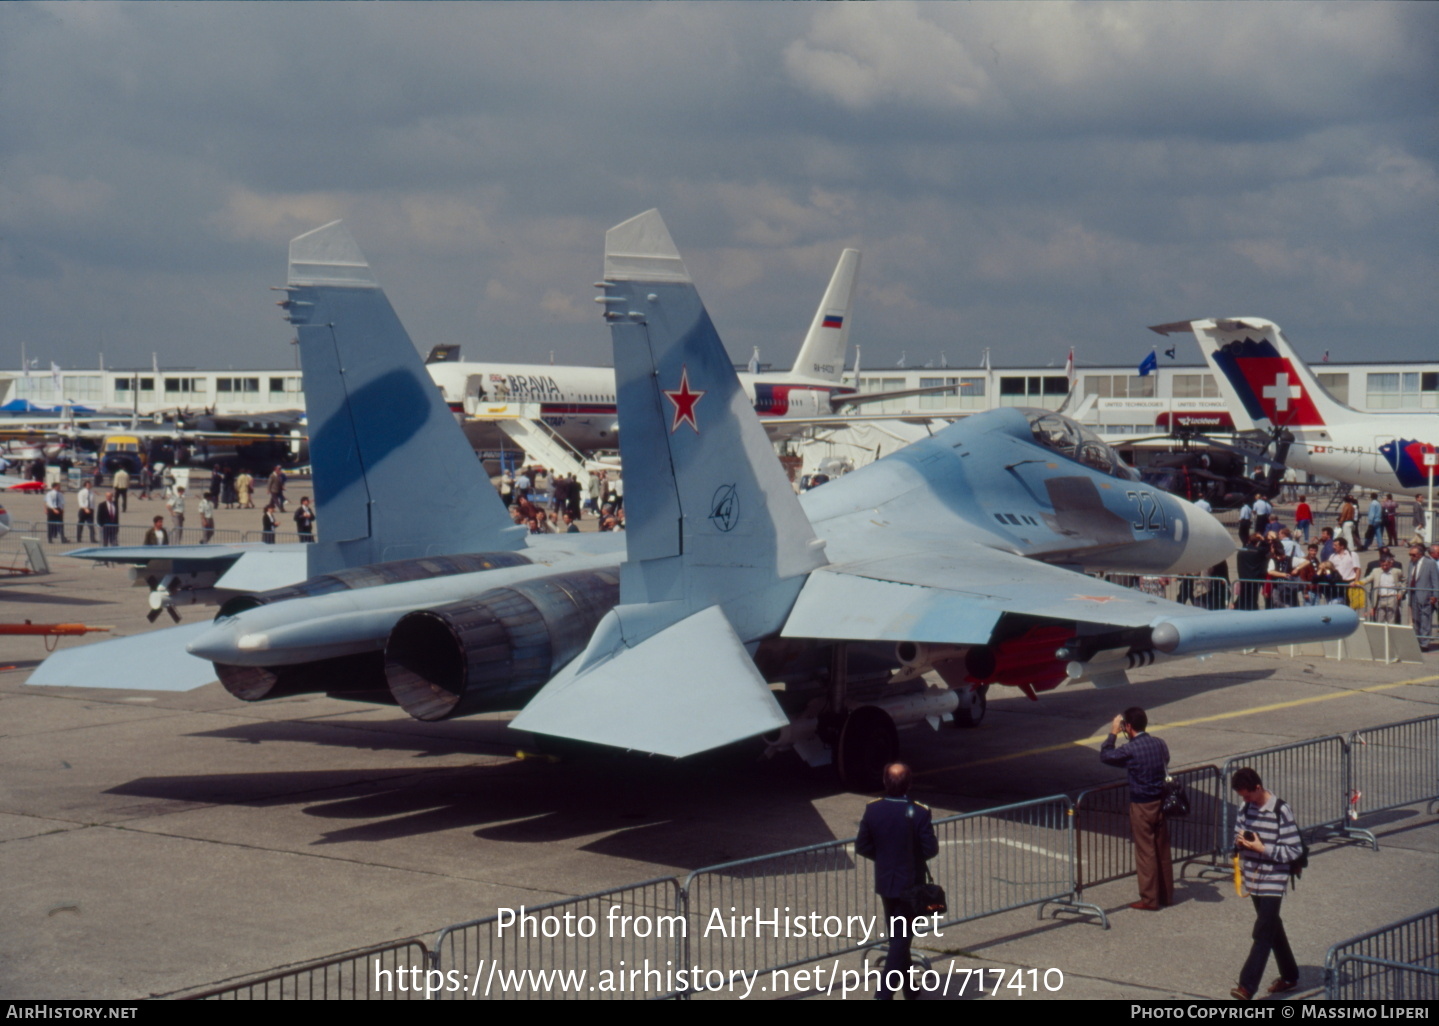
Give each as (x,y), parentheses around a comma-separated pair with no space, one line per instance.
(1125,401)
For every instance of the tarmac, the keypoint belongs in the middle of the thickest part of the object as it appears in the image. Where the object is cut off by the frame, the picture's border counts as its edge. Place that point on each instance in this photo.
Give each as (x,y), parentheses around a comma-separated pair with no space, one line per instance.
(153,843)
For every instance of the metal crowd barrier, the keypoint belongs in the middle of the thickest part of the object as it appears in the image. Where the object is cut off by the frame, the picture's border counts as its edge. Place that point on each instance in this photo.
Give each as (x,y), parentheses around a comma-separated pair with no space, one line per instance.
(818,902)
(1104,844)
(1393,766)
(1311,776)
(989,862)
(565,949)
(277,537)
(391,972)
(1244,593)
(134,534)
(1398,962)
(826,878)
(1200,592)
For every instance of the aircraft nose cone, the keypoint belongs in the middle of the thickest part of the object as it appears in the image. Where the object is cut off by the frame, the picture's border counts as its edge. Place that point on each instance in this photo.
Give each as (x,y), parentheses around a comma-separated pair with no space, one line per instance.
(1209,542)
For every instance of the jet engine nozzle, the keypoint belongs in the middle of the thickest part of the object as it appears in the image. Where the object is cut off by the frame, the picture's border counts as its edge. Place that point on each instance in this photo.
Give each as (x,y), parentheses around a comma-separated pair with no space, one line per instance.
(494,651)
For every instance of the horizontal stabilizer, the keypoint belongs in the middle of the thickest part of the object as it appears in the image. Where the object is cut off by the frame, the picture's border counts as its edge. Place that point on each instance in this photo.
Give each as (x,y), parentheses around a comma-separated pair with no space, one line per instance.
(262,569)
(181,558)
(690,688)
(142,662)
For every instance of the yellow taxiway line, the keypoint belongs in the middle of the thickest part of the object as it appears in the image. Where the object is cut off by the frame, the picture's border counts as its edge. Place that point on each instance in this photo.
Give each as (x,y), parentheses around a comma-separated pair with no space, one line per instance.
(1098,739)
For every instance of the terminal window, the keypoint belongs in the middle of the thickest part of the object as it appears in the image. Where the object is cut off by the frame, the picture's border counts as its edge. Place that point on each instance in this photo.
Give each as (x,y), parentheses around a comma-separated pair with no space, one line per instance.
(1395,390)
(1122,386)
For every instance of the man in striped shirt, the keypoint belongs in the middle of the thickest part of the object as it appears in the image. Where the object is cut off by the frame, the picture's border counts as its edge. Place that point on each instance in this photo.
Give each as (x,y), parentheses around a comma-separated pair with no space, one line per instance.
(1266,841)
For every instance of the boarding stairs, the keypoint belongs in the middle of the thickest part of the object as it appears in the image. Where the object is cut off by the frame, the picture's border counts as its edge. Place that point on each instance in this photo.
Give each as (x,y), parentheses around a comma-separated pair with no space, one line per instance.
(540,443)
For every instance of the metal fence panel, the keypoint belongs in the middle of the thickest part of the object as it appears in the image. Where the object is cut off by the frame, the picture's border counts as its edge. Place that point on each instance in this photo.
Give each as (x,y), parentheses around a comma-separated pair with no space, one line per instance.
(1006,858)
(134,534)
(1201,592)
(620,943)
(1395,962)
(1393,766)
(827,880)
(1104,847)
(1311,777)
(392,972)
(823,899)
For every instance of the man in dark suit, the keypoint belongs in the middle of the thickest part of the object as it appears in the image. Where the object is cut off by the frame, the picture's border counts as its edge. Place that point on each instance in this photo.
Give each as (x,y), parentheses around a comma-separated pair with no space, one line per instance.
(108,517)
(897,834)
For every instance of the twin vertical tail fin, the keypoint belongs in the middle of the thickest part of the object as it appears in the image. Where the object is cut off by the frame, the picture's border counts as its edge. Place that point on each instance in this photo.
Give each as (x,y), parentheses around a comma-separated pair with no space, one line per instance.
(718,546)
(823,352)
(394,476)
(710,515)
(1260,373)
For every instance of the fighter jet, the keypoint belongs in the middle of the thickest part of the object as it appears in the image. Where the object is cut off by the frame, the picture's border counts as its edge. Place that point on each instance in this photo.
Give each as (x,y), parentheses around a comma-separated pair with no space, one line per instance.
(746,610)
(737,611)
(408,520)
(1269,388)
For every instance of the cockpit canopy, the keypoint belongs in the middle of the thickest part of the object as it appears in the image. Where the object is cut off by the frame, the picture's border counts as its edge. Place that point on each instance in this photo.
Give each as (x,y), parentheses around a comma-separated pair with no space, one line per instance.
(1057,432)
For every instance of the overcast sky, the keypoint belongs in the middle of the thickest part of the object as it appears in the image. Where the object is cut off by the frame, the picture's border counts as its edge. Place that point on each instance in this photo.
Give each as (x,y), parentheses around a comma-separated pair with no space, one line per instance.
(1020,176)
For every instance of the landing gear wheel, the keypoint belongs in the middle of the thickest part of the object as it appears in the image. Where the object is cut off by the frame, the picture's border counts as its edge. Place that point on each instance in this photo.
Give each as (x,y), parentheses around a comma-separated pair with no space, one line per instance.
(867,744)
(973,703)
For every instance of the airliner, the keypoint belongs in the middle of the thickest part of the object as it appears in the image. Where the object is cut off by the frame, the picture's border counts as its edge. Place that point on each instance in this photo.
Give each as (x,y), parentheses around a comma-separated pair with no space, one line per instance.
(1269,388)
(579,402)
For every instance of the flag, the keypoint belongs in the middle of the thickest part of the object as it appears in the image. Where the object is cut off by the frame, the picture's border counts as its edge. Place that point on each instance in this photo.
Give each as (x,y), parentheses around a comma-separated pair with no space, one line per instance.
(55,378)
(1149,364)
(1069,367)
(753,367)
(1170,352)
(902,355)
(1326,356)
(984,364)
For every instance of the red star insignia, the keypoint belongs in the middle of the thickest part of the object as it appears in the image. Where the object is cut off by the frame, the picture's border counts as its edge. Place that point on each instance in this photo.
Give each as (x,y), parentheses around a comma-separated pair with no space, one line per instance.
(684,401)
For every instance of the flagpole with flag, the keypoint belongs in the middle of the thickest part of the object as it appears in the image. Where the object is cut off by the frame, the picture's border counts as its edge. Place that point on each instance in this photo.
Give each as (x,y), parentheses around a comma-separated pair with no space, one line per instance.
(1150,363)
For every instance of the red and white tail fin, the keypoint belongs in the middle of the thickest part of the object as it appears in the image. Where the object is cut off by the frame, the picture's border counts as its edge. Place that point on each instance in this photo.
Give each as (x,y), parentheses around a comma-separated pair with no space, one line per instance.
(1261,375)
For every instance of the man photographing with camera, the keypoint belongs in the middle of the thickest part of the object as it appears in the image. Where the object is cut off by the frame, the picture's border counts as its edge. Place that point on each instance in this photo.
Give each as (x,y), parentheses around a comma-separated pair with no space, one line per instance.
(1146,760)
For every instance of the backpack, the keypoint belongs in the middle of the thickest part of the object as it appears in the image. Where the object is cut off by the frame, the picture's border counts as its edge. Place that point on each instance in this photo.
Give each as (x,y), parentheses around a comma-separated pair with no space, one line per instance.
(1298,865)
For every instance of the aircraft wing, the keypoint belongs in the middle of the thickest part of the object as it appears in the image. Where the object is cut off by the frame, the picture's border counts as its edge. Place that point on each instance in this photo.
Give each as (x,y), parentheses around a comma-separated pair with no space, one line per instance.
(957,596)
(256,567)
(185,558)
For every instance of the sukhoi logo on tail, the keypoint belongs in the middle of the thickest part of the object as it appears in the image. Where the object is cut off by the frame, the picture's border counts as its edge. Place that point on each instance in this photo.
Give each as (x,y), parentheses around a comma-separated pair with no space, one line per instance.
(724,507)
